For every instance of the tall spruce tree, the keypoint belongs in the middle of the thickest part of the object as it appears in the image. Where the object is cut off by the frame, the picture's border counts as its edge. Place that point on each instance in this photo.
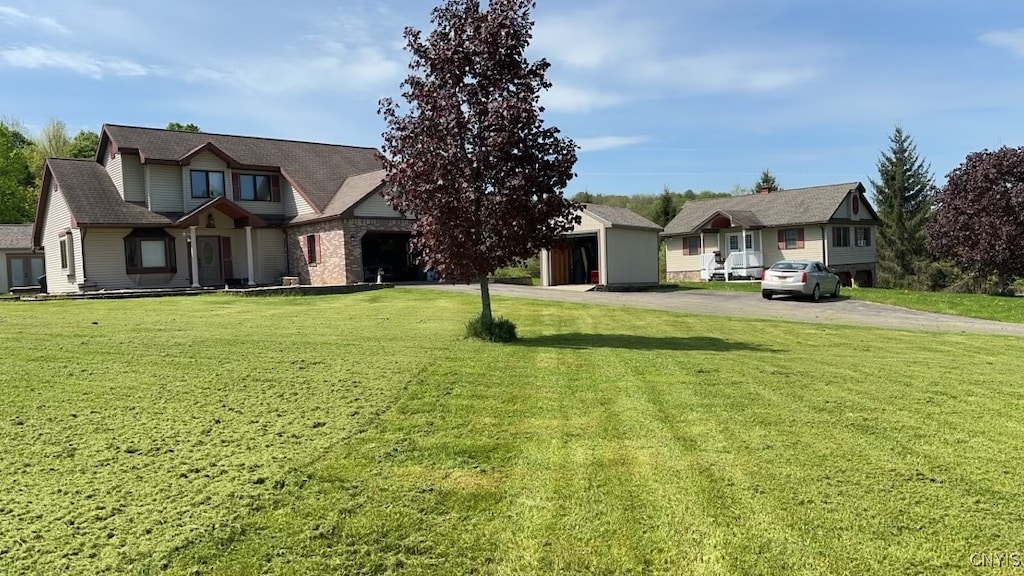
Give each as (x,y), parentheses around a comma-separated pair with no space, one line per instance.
(903,196)
(767,180)
(665,208)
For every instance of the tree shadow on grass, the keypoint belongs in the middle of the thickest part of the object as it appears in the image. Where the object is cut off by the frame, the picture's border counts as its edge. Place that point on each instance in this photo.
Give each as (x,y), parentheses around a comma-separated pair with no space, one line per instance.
(579,341)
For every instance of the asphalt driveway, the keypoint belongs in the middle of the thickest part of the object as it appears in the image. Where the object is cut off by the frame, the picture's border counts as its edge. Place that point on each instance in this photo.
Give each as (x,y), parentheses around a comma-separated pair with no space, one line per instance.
(751,305)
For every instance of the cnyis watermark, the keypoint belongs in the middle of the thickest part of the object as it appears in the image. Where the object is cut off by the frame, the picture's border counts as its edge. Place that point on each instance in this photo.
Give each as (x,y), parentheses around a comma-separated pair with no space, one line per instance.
(997,559)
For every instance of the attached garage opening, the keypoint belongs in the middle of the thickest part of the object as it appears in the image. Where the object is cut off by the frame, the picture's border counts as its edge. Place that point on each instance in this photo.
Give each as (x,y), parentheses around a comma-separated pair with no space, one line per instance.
(389,251)
(574,260)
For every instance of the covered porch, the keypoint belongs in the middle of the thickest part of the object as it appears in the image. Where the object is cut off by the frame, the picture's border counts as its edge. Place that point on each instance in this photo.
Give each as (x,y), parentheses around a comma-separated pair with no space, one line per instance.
(228,246)
(738,247)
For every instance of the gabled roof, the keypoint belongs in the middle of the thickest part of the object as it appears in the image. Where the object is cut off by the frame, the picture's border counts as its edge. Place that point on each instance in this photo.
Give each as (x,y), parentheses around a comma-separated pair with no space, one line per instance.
(353,191)
(620,217)
(15,236)
(226,207)
(315,170)
(794,207)
(96,202)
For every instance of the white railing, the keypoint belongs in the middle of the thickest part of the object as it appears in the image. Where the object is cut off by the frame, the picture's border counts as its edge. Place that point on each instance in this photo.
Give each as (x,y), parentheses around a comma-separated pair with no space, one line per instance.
(745,263)
(707,266)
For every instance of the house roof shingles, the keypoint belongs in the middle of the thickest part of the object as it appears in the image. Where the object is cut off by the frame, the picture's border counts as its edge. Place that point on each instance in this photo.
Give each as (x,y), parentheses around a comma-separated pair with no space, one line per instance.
(92,198)
(15,236)
(318,170)
(352,191)
(783,208)
(621,217)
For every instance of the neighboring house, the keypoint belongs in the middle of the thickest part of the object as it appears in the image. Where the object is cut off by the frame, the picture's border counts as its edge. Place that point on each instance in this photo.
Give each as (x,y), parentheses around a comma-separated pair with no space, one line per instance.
(20,265)
(737,237)
(612,247)
(166,209)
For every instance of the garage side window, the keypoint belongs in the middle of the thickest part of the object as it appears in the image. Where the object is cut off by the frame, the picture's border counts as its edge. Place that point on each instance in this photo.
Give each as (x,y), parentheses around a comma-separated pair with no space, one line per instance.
(312,242)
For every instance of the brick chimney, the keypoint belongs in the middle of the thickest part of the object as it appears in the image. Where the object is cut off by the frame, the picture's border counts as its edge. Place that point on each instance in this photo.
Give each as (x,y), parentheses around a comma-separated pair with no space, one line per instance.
(765,190)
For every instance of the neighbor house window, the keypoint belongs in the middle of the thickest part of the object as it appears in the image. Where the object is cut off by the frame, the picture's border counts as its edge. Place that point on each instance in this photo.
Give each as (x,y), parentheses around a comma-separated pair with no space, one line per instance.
(791,239)
(257,187)
(206,184)
(841,237)
(749,242)
(149,251)
(691,245)
(312,248)
(734,242)
(863,236)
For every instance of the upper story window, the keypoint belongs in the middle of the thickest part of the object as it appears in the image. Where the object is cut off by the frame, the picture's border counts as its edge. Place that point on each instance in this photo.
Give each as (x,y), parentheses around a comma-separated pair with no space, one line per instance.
(206,184)
(841,237)
(863,236)
(254,187)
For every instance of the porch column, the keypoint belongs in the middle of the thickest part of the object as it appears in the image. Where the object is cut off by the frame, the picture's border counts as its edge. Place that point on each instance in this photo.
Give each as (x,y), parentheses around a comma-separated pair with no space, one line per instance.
(248,254)
(545,267)
(194,252)
(602,258)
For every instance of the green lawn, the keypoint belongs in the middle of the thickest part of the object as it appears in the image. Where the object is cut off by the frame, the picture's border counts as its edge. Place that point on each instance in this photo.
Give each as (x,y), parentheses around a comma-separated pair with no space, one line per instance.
(1002,308)
(361,434)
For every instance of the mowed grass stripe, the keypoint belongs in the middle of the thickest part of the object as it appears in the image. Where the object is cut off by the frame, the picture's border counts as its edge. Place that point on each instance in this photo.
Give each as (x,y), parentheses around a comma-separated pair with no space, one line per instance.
(608,441)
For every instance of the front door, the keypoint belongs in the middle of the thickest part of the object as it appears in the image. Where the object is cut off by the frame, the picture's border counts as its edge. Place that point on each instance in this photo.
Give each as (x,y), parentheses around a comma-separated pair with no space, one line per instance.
(211,271)
(25,270)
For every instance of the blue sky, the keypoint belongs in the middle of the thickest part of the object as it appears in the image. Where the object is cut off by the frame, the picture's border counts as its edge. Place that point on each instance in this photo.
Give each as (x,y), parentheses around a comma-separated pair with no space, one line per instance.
(699,94)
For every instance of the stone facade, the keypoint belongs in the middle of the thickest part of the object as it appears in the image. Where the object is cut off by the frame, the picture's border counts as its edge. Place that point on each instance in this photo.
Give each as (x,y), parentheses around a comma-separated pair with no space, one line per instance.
(341,248)
(690,276)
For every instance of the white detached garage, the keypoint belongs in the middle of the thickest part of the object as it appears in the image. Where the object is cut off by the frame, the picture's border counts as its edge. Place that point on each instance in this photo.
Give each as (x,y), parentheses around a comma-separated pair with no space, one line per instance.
(610,247)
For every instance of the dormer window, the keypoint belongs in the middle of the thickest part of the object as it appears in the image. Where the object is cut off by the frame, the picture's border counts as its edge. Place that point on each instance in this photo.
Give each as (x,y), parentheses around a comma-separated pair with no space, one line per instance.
(254,187)
(206,184)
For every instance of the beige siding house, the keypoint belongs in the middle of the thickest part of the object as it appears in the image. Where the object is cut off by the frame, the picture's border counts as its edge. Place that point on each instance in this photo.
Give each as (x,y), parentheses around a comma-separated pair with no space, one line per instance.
(610,247)
(20,265)
(165,209)
(739,236)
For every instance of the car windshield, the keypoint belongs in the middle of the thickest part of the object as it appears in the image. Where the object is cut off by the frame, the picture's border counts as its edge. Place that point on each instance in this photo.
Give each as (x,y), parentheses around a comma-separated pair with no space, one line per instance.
(789,266)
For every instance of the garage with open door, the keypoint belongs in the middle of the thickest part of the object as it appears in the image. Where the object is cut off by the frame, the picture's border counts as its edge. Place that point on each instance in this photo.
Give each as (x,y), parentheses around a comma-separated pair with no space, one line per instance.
(390,254)
(610,247)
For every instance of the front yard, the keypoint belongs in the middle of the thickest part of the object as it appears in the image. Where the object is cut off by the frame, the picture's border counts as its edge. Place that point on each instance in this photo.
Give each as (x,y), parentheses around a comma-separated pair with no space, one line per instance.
(361,434)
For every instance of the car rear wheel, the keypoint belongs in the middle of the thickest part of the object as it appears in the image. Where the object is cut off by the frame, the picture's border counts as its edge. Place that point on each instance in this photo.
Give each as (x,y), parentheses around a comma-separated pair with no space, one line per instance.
(839,286)
(766,295)
(816,294)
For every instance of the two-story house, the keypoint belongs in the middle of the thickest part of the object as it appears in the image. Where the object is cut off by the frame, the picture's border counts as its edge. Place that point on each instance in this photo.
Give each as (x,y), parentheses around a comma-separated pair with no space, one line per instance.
(737,237)
(167,209)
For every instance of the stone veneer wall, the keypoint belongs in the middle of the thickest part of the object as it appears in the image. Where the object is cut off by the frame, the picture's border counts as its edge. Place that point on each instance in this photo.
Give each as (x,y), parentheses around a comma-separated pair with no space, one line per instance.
(690,276)
(341,248)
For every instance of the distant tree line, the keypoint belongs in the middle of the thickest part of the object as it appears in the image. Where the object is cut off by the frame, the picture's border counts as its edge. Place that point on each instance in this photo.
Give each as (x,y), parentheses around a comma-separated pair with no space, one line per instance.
(22,156)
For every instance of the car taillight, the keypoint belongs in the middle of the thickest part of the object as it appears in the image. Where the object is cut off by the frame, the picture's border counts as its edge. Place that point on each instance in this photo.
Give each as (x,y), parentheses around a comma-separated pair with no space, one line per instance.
(764,275)
(803,277)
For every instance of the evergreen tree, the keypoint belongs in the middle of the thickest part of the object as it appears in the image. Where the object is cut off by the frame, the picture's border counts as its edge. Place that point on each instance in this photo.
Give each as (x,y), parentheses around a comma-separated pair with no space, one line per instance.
(903,194)
(768,181)
(665,209)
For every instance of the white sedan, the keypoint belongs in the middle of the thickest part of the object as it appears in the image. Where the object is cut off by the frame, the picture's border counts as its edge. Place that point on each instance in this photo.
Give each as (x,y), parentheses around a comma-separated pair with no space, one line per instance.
(799,278)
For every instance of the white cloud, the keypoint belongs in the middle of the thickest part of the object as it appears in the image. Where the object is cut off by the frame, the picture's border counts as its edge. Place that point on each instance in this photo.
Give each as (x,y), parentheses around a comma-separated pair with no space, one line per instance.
(18,18)
(567,98)
(78,62)
(609,142)
(616,56)
(1012,40)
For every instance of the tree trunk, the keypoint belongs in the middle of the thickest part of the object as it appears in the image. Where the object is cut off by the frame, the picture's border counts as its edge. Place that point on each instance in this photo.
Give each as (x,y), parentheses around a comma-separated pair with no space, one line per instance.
(485,300)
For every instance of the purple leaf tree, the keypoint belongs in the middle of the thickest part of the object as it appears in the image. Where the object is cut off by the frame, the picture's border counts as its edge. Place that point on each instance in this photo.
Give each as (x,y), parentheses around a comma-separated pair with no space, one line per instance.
(470,156)
(979,215)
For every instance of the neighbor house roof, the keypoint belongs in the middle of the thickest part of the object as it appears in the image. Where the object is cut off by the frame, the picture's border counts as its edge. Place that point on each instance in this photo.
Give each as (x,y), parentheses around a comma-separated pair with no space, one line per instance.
(15,236)
(783,208)
(316,171)
(620,217)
